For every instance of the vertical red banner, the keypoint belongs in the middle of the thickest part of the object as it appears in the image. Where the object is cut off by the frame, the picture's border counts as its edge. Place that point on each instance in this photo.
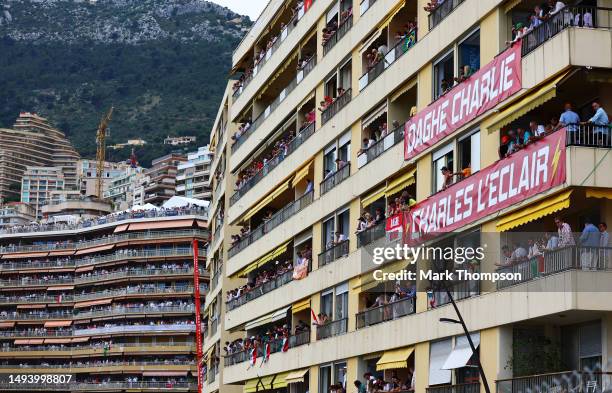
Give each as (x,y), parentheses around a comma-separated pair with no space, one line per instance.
(198,321)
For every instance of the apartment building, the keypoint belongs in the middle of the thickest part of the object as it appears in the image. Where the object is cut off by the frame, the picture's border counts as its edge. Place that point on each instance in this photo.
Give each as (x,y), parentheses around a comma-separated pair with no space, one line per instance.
(192,180)
(161,179)
(356,125)
(122,188)
(105,304)
(16,214)
(87,174)
(33,141)
(37,185)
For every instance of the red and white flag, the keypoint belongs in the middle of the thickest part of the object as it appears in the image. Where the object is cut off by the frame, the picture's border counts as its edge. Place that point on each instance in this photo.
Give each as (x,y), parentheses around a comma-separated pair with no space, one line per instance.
(314,317)
(253,356)
(266,355)
(285,344)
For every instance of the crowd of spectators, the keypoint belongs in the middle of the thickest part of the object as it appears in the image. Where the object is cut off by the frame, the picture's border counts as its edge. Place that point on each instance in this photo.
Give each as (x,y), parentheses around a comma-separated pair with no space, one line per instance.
(105,362)
(592,237)
(377,384)
(329,100)
(48,225)
(242,129)
(516,139)
(332,27)
(262,277)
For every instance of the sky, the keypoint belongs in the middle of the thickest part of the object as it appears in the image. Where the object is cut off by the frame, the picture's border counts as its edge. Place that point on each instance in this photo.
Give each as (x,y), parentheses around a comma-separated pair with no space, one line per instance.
(252,8)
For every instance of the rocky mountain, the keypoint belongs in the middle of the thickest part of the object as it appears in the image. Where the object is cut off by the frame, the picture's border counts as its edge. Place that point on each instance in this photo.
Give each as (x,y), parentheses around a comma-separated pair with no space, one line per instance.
(163,65)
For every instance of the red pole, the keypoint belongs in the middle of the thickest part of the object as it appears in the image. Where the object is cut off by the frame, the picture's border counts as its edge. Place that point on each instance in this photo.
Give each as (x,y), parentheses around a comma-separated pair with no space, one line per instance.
(198,322)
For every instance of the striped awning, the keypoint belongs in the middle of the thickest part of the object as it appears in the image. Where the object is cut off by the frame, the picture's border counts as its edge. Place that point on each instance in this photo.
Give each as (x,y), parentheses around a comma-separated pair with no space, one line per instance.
(300,306)
(534,211)
(396,358)
(398,184)
(273,195)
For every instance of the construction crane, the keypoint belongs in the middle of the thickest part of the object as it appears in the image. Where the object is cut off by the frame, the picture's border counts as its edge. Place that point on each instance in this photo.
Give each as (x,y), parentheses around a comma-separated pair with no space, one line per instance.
(101,150)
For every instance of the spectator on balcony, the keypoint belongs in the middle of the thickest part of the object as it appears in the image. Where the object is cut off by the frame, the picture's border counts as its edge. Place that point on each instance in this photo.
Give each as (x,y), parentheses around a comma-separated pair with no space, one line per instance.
(536,248)
(601,122)
(309,186)
(448,175)
(552,241)
(569,118)
(585,19)
(339,238)
(301,327)
(519,253)
(518,30)
(432,5)
(379,216)
(566,237)
(536,130)
(340,164)
(590,236)
(555,7)
(604,240)
(503,147)
(360,387)
(345,15)
(361,224)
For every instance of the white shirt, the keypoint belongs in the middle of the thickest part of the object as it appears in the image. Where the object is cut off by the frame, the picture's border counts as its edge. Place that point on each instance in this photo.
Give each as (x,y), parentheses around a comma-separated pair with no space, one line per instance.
(604,240)
(558,7)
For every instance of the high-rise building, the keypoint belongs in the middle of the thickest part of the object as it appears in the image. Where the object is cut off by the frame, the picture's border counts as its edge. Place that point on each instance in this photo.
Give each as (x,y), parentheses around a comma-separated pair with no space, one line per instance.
(193,176)
(359,126)
(87,175)
(121,188)
(161,183)
(37,185)
(33,141)
(111,303)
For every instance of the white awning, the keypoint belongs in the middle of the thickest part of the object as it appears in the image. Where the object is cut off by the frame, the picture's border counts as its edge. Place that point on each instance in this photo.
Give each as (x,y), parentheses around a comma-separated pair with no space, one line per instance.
(438,353)
(269,318)
(179,201)
(462,352)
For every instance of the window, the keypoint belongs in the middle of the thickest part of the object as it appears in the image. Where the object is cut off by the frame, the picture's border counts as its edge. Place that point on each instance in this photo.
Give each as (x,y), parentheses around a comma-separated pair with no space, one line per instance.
(331,374)
(333,227)
(469,153)
(329,160)
(469,54)
(443,158)
(327,303)
(341,148)
(345,76)
(589,346)
(325,373)
(438,353)
(341,311)
(328,232)
(444,73)
(340,374)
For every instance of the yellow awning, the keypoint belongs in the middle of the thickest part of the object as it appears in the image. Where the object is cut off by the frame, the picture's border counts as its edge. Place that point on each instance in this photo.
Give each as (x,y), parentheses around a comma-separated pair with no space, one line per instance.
(397,358)
(534,211)
(367,280)
(268,318)
(296,376)
(401,182)
(279,190)
(302,173)
(393,12)
(599,193)
(409,85)
(281,380)
(300,306)
(263,260)
(254,385)
(523,105)
(373,197)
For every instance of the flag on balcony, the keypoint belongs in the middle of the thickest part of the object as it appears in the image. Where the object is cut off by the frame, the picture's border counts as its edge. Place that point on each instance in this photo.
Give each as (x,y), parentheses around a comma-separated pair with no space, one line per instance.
(314,317)
(266,355)
(285,344)
(253,355)
(59,298)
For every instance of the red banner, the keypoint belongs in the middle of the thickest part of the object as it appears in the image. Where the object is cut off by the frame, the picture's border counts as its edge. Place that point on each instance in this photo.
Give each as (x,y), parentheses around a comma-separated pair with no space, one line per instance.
(198,321)
(479,93)
(395,223)
(532,170)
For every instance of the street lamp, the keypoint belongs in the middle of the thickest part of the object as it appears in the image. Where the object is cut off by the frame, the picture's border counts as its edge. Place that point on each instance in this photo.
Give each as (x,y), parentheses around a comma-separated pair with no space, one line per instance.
(461,322)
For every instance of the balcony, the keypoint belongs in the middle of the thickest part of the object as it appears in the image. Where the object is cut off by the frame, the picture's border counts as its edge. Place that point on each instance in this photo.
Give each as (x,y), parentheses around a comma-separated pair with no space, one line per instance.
(392,55)
(387,312)
(459,388)
(111,386)
(442,11)
(279,40)
(335,178)
(396,136)
(276,345)
(365,5)
(581,16)
(335,107)
(296,142)
(136,291)
(371,234)
(337,36)
(277,218)
(214,326)
(567,381)
(459,290)
(136,310)
(333,328)
(336,252)
(213,371)
(261,290)
(556,261)
(301,74)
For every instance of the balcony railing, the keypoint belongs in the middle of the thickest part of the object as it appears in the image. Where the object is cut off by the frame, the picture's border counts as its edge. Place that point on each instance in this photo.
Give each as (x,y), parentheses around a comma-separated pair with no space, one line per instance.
(388,141)
(261,290)
(296,142)
(391,56)
(580,16)
(566,381)
(336,106)
(442,11)
(333,328)
(336,178)
(112,239)
(106,220)
(136,310)
(589,135)
(277,218)
(371,234)
(387,312)
(460,290)
(214,281)
(276,345)
(133,291)
(336,252)
(301,74)
(337,36)
(559,260)
(473,387)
